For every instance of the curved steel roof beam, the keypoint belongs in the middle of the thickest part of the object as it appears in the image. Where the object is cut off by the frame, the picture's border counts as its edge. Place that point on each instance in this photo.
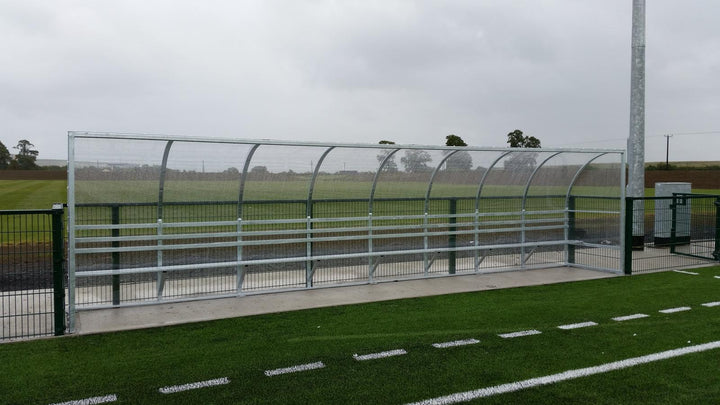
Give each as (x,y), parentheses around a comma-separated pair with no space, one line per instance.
(387,158)
(432,178)
(532,176)
(163,172)
(243,178)
(484,177)
(311,188)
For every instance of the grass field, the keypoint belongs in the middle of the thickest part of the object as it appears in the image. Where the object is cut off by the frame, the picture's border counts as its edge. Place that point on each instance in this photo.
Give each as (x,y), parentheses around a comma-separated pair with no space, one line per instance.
(134,365)
(31,194)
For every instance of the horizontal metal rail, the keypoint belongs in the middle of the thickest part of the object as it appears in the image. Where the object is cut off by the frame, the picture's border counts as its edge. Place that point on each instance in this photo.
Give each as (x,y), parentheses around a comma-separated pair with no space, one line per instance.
(155,269)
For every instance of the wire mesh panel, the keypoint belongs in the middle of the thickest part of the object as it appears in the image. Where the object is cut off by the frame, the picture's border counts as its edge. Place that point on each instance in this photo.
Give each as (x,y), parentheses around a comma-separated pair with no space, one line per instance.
(26,274)
(155,218)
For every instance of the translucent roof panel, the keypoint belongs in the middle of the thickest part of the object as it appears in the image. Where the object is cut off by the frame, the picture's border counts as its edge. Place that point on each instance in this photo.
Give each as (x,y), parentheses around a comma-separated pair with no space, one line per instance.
(204,172)
(346,173)
(547,190)
(279,172)
(600,177)
(117,171)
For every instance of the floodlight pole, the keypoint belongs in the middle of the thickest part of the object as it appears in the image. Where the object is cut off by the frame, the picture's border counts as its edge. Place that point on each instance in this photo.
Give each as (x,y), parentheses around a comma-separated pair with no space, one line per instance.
(636,140)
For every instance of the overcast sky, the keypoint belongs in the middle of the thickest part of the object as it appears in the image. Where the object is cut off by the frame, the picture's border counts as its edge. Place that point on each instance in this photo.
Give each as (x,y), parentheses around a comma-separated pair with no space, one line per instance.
(359,71)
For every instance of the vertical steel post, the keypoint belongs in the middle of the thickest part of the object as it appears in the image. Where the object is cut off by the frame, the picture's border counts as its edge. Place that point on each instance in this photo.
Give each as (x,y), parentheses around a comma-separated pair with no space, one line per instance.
(58,258)
(452,237)
(716,252)
(628,247)
(71,230)
(115,255)
(636,140)
(571,229)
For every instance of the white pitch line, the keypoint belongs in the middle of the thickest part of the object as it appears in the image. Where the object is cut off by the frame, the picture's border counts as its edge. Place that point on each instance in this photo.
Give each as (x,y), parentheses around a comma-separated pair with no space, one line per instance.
(566,375)
(373,356)
(193,386)
(455,343)
(519,334)
(295,369)
(673,310)
(578,325)
(91,401)
(711,304)
(629,317)
(686,272)
(717,276)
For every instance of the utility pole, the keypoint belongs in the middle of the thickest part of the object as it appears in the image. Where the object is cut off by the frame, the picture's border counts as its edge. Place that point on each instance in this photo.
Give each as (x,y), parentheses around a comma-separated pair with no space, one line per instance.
(667,151)
(636,140)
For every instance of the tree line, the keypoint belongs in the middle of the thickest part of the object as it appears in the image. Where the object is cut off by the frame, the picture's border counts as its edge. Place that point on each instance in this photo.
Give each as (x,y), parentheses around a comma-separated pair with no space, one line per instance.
(24,159)
(416,161)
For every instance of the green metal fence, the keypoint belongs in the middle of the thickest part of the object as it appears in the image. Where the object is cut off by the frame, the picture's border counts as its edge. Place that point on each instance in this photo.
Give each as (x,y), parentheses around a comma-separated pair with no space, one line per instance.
(32,273)
(678,231)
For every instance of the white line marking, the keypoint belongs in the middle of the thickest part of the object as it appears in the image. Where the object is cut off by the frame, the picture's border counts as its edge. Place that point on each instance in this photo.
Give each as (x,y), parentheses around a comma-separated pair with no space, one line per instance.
(711,304)
(193,386)
(295,369)
(91,401)
(629,317)
(455,343)
(519,334)
(577,325)
(373,356)
(717,276)
(686,272)
(673,310)
(566,375)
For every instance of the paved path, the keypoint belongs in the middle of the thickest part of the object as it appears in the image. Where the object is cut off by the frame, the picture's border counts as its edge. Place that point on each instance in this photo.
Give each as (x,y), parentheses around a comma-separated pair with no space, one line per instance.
(105,320)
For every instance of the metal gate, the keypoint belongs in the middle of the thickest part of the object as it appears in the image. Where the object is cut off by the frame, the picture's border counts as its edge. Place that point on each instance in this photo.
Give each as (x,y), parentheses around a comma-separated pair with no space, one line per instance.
(32,257)
(695,225)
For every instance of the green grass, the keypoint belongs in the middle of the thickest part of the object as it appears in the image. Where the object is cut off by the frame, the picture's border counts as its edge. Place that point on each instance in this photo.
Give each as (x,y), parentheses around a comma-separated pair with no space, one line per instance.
(134,364)
(31,194)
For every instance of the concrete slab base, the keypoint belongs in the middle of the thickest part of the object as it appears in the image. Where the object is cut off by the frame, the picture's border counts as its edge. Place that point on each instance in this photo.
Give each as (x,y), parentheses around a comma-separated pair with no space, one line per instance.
(136,317)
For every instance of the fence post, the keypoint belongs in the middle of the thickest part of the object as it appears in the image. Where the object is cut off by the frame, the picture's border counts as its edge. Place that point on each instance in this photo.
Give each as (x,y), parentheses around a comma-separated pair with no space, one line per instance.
(58,258)
(571,229)
(115,255)
(309,245)
(452,238)
(629,215)
(716,252)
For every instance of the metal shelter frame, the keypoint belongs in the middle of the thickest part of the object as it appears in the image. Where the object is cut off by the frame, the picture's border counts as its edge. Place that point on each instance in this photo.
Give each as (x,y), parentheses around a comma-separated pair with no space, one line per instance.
(246,234)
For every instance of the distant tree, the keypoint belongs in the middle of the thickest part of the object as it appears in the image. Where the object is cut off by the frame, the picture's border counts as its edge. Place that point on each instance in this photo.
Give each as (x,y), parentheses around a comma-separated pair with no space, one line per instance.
(26,155)
(516,139)
(5,157)
(390,166)
(232,170)
(454,140)
(415,161)
(259,170)
(523,160)
(460,160)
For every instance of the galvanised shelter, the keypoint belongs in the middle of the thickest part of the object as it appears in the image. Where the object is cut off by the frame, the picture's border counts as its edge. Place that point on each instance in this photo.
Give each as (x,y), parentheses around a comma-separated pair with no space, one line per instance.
(158,218)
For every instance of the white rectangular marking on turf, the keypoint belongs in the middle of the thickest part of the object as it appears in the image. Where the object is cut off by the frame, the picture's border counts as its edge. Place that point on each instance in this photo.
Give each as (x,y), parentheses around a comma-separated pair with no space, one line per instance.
(566,375)
(577,325)
(717,276)
(711,304)
(686,272)
(519,334)
(373,356)
(91,401)
(455,343)
(673,310)
(295,369)
(193,386)
(629,317)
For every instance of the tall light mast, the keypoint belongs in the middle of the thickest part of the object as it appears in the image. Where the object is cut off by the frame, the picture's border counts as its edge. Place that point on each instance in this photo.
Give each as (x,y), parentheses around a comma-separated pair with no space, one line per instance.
(636,139)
